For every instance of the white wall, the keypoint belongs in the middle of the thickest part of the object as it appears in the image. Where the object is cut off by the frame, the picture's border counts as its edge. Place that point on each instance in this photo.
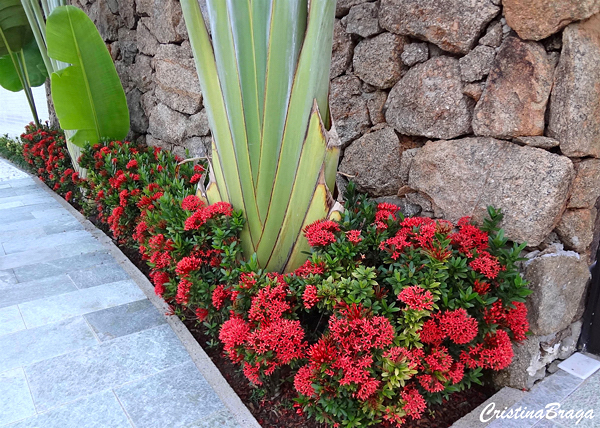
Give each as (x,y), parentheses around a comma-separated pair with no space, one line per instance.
(15,112)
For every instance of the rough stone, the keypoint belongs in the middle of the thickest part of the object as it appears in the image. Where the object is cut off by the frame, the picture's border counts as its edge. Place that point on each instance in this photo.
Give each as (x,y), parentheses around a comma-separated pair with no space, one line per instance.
(381,151)
(166,19)
(493,35)
(141,73)
(541,142)
(167,125)
(376,104)
(198,146)
(453,25)
(406,160)
(414,53)
(138,119)
(106,22)
(144,7)
(538,19)
(477,63)
(463,177)
(576,229)
(553,43)
(348,108)
(429,101)
(377,60)
(514,100)
(127,45)
(517,375)
(575,103)
(474,90)
(177,79)
(586,186)
(342,7)
(155,142)
(558,280)
(342,50)
(147,43)
(198,125)
(126,10)
(363,19)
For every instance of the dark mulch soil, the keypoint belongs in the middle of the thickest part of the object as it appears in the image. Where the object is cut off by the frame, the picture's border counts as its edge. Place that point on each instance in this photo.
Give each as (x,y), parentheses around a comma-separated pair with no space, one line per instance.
(277,411)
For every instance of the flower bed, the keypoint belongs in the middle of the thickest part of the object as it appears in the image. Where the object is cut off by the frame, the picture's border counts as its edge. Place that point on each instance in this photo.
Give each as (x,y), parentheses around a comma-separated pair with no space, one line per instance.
(390,315)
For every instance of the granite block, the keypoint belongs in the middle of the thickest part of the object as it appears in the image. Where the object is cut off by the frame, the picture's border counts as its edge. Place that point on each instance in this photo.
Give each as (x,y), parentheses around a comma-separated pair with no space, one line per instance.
(124,319)
(10,321)
(19,234)
(71,238)
(15,398)
(98,275)
(37,344)
(49,211)
(12,204)
(178,397)
(108,365)
(85,259)
(20,182)
(97,411)
(35,222)
(14,294)
(56,308)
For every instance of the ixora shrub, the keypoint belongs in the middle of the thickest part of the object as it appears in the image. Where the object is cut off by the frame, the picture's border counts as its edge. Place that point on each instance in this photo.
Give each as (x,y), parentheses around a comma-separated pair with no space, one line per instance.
(388,315)
(45,151)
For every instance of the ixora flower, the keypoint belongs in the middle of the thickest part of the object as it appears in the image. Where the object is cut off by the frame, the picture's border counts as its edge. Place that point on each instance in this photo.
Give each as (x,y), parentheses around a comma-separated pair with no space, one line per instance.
(417,298)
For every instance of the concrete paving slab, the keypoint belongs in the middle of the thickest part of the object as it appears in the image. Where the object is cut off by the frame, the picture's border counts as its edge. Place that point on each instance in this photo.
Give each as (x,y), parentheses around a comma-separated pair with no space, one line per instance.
(16,235)
(586,397)
(10,322)
(43,255)
(73,237)
(553,389)
(6,190)
(124,319)
(49,212)
(55,308)
(10,173)
(14,294)
(32,222)
(178,397)
(20,182)
(7,277)
(98,275)
(34,271)
(14,204)
(97,411)
(15,399)
(483,415)
(37,344)
(111,364)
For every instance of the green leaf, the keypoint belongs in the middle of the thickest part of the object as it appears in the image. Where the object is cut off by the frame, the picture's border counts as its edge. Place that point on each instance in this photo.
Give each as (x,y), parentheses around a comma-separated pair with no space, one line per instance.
(15,32)
(88,96)
(9,79)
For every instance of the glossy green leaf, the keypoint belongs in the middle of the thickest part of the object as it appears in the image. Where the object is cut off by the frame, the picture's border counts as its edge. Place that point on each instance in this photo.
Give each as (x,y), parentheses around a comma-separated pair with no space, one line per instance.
(36,70)
(88,96)
(15,32)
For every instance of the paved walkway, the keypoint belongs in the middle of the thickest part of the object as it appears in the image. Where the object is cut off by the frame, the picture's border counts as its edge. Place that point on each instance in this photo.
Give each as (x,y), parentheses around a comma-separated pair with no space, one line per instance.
(81,345)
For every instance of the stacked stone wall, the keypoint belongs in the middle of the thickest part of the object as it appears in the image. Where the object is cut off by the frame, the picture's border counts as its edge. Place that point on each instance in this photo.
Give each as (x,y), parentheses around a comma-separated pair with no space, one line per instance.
(443,107)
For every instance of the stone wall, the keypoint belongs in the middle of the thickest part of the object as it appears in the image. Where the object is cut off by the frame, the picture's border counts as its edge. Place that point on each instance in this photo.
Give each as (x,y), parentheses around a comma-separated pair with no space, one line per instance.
(444,107)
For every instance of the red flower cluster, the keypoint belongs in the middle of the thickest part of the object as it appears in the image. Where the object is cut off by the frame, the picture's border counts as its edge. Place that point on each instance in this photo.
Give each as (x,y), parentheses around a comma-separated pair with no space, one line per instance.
(320,232)
(416,298)
(456,325)
(385,211)
(204,214)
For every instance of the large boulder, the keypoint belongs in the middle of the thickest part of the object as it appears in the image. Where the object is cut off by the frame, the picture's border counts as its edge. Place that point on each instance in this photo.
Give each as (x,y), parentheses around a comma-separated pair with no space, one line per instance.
(558,279)
(575,101)
(453,25)
(177,79)
(586,186)
(429,101)
(377,61)
(342,50)
(348,108)
(380,150)
(463,177)
(538,19)
(514,100)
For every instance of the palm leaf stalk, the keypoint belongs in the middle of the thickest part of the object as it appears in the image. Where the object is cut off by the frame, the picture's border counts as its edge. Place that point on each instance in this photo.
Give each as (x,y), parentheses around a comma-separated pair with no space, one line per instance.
(265,81)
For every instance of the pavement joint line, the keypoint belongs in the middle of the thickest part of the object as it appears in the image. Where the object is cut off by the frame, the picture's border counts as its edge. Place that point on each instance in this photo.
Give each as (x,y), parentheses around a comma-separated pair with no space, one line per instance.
(123,408)
(207,368)
(30,393)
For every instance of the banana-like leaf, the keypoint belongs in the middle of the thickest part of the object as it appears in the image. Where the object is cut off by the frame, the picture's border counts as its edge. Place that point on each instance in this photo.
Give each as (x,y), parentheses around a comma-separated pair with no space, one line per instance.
(265,80)
(88,96)
(36,70)
(14,28)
